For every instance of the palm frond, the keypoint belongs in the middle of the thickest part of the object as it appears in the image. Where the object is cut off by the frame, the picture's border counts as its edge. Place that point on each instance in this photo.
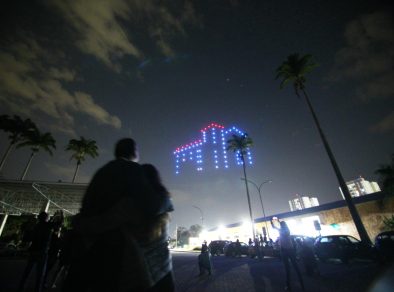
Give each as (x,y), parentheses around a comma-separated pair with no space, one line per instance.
(239,144)
(81,148)
(37,140)
(294,69)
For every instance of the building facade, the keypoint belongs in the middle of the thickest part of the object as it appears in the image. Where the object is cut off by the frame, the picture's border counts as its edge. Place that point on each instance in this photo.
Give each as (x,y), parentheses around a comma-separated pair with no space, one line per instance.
(360,187)
(302,202)
(334,219)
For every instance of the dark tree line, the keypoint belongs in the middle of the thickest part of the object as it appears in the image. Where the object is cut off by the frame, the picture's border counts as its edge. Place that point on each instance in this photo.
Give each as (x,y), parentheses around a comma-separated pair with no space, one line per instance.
(25,133)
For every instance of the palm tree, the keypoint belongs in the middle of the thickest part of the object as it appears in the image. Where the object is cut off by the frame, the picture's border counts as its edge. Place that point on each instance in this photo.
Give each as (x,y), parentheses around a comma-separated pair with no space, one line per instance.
(36,141)
(386,174)
(240,145)
(18,130)
(294,70)
(81,148)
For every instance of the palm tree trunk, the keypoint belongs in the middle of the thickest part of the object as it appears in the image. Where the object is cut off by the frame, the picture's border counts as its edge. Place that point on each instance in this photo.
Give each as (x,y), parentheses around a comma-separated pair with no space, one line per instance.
(5,156)
(352,208)
(248,196)
(28,165)
(3,221)
(76,171)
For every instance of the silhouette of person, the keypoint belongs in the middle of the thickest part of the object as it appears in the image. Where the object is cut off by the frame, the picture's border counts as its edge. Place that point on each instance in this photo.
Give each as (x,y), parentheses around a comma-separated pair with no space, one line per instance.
(53,252)
(308,257)
(257,249)
(119,200)
(204,260)
(64,257)
(38,251)
(288,253)
(237,248)
(153,236)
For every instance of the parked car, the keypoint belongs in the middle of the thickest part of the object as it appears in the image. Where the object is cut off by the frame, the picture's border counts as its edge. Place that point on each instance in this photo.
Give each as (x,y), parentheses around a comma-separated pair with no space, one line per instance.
(229,249)
(216,246)
(343,247)
(384,244)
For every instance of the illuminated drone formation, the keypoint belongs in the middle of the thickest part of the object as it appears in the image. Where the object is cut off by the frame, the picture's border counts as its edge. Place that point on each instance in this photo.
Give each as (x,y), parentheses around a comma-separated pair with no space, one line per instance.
(210,150)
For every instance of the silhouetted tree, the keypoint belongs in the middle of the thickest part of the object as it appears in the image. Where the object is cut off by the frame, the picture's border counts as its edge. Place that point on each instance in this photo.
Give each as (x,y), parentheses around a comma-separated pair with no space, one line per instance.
(294,70)
(183,235)
(17,129)
(386,175)
(36,141)
(195,230)
(240,145)
(81,149)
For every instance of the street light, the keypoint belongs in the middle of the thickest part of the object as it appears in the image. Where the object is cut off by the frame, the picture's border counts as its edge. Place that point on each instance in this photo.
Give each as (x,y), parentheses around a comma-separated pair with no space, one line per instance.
(202,215)
(261,200)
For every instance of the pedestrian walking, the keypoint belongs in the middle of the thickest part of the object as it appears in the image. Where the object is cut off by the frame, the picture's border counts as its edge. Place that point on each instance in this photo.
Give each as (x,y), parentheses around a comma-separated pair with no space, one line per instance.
(288,254)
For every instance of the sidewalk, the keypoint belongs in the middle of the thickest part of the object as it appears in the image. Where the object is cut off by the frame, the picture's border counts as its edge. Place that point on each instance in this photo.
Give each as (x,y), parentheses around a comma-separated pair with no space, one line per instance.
(247,275)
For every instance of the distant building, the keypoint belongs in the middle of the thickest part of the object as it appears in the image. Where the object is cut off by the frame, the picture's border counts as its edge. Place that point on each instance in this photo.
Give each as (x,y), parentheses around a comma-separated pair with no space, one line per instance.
(360,187)
(333,218)
(300,203)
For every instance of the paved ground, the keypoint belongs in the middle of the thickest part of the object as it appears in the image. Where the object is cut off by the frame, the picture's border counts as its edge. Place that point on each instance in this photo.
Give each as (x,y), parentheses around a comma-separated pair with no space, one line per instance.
(245,274)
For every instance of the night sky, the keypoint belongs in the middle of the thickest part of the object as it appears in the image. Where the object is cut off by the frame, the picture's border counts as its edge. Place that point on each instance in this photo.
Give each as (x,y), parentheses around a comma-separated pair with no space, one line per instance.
(159,71)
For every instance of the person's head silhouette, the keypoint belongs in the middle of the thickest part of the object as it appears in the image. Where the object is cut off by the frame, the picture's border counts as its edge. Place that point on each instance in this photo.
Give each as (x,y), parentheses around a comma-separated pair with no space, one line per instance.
(126,148)
(43,217)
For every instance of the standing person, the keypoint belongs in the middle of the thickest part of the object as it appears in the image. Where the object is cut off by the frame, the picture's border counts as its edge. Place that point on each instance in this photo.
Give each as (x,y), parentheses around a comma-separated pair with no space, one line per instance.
(64,257)
(237,248)
(308,258)
(204,260)
(153,236)
(288,253)
(106,256)
(53,252)
(38,251)
(257,249)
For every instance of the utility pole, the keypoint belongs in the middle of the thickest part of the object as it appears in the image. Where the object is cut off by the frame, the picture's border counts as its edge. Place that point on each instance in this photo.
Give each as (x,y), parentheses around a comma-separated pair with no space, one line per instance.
(202,215)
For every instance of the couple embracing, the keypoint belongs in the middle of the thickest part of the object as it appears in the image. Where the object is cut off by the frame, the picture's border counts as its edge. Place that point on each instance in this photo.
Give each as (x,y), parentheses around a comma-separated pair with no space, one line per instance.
(121,232)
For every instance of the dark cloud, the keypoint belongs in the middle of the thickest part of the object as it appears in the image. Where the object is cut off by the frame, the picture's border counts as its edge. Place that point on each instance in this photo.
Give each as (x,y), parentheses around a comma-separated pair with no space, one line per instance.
(33,83)
(368,56)
(106,29)
(385,125)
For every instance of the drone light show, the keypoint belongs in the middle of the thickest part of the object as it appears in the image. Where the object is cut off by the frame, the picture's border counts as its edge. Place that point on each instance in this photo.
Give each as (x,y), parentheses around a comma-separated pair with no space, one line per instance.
(208,151)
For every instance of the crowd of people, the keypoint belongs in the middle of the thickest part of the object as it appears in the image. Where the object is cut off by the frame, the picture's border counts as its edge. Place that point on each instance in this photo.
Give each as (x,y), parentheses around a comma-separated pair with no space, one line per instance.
(118,241)
(292,251)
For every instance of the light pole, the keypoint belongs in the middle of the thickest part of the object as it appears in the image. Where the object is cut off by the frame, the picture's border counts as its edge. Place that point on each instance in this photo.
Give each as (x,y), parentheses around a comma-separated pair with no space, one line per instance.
(261,200)
(202,215)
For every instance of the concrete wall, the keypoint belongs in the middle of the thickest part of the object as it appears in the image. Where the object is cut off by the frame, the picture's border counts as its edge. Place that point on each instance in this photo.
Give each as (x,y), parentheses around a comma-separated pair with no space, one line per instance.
(372,214)
(333,221)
